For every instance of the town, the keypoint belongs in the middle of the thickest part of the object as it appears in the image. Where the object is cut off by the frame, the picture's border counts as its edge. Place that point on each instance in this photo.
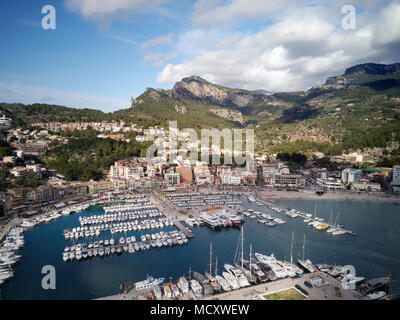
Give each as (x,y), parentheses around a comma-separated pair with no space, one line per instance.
(317,172)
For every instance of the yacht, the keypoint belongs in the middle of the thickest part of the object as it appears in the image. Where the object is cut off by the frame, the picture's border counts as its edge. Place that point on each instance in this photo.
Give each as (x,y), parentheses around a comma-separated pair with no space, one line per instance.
(352,280)
(224,284)
(207,288)
(255,270)
(183,285)
(78,255)
(231,280)
(65,256)
(338,232)
(211,221)
(274,264)
(376,295)
(150,282)
(238,274)
(306,264)
(197,289)
(213,282)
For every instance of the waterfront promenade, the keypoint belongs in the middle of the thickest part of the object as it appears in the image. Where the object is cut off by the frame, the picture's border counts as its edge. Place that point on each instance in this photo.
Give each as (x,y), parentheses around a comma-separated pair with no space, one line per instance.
(13,223)
(325,292)
(331,289)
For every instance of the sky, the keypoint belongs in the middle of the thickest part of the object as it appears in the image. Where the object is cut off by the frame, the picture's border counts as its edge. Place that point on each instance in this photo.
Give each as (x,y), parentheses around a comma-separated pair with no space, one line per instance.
(102,52)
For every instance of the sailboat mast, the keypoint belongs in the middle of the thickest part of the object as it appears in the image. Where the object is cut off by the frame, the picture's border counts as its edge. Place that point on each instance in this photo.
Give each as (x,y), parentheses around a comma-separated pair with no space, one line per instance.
(304,245)
(337,218)
(216,266)
(242,247)
(251,249)
(291,249)
(210,258)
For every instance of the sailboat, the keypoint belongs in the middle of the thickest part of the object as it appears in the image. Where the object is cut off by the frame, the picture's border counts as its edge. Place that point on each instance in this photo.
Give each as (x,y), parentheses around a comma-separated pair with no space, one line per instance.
(254,268)
(334,228)
(306,264)
(290,266)
(213,281)
(240,264)
(339,230)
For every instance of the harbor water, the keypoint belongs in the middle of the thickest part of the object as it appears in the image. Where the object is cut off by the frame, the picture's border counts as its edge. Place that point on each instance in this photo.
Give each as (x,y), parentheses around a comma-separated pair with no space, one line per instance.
(374,252)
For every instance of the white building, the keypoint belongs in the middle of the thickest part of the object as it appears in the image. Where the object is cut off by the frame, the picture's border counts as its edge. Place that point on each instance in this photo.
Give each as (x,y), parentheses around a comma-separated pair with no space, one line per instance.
(330,183)
(396,176)
(172,178)
(366,186)
(351,175)
(231,179)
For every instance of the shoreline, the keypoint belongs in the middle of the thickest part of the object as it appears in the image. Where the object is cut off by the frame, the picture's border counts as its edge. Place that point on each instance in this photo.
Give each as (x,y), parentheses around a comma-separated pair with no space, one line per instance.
(332,196)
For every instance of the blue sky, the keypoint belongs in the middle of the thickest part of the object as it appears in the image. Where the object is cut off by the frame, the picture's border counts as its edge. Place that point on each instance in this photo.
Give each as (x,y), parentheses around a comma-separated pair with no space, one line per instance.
(103,52)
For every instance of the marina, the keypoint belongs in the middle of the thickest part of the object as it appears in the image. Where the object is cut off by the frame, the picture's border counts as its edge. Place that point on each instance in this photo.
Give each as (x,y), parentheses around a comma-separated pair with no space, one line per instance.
(286,242)
(123,245)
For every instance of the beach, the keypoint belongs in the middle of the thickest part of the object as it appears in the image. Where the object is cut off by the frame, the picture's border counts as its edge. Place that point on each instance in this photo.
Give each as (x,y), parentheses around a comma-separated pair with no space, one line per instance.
(312,195)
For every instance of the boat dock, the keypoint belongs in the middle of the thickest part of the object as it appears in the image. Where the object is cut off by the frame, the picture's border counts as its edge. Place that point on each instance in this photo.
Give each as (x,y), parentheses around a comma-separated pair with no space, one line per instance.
(13,223)
(301,215)
(188,233)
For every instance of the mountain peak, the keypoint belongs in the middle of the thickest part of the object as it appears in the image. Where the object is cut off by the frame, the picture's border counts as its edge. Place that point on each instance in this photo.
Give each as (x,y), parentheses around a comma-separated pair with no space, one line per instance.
(374,68)
(195,78)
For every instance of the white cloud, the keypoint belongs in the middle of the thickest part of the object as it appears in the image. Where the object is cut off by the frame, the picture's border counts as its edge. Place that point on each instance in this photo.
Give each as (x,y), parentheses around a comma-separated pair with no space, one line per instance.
(155,59)
(103,11)
(210,12)
(28,94)
(213,12)
(299,50)
(159,41)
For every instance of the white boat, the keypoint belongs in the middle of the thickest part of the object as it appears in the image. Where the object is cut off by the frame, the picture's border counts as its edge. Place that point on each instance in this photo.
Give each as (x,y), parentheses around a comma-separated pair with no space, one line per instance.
(65,256)
(338,232)
(274,264)
(149,283)
(231,280)
(183,285)
(305,263)
(224,284)
(78,255)
(197,289)
(376,295)
(238,274)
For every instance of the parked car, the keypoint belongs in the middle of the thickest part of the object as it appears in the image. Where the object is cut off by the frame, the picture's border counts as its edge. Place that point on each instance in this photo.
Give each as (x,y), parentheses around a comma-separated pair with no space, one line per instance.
(308,284)
(301,290)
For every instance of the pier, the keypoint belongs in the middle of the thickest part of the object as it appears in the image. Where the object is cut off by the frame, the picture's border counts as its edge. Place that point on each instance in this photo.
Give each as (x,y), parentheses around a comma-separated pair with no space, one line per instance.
(188,233)
(301,215)
(13,223)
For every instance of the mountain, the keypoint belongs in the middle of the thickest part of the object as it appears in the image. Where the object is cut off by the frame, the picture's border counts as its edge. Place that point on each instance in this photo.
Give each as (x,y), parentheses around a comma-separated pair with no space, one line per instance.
(374,68)
(202,103)
(357,110)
